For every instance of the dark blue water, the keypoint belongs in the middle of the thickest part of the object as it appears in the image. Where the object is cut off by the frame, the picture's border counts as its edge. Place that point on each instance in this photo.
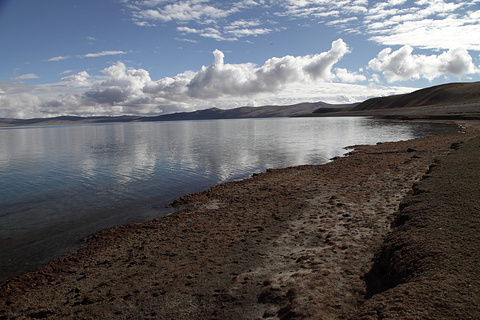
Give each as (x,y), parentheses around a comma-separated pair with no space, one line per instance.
(60,184)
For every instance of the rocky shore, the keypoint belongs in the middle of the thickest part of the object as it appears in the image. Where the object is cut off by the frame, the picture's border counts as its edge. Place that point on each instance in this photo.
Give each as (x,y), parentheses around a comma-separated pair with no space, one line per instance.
(388,232)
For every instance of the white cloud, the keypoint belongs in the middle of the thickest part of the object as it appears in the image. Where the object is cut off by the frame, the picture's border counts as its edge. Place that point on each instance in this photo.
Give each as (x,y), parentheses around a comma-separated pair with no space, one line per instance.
(120,86)
(342,21)
(211,17)
(26,76)
(207,33)
(426,24)
(432,34)
(186,40)
(346,76)
(432,24)
(231,32)
(124,90)
(58,58)
(188,30)
(89,55)
(181,11)
(149,14)
(221,79)
(103,53)
(240,24)
(330,92)
(249,32)
(321,64)
(66,72)
(375,78)
(19,105)
(17,100)
(81,79)
(402,65)
(322,8)
(396,2)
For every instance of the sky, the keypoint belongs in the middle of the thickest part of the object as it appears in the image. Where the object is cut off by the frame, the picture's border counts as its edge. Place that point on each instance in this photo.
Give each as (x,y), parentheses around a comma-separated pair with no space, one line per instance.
(153,57)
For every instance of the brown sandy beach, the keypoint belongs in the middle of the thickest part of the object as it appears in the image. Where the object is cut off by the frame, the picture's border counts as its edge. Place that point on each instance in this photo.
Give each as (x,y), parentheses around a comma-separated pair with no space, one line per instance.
(309,242)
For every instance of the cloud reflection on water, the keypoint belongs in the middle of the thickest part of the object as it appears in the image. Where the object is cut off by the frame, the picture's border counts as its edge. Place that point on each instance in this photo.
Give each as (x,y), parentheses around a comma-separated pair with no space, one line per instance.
(63,183)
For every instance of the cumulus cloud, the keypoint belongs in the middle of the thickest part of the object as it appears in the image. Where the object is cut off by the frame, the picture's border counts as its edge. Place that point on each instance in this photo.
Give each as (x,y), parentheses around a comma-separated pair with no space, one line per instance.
(321,64)
(221,79)
(403,65)
(121,86)
(19,105)
(124,90)
(17,100)
(81,79)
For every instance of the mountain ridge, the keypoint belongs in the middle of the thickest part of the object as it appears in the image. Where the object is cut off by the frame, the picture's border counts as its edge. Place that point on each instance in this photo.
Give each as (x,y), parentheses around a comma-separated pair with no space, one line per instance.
(436,95)
(447,101)
(206,114)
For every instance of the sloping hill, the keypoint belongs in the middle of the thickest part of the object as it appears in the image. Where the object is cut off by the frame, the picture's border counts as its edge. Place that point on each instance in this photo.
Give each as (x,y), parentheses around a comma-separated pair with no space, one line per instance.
(453,101)
(452,93)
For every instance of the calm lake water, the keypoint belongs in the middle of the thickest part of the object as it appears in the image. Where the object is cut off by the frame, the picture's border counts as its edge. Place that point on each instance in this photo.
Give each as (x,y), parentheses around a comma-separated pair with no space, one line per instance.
(60,184)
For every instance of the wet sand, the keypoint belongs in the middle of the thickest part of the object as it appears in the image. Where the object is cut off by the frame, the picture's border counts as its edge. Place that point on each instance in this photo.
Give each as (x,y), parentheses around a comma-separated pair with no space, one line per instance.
(290,243)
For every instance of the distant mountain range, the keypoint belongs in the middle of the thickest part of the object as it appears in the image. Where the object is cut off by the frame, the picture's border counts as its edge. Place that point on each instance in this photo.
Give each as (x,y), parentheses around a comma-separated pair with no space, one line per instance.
(213,113)
(448,101)
(253,112)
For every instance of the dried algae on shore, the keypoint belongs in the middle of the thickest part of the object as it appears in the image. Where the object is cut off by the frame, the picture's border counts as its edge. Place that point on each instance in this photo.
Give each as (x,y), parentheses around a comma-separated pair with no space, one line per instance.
(292,243)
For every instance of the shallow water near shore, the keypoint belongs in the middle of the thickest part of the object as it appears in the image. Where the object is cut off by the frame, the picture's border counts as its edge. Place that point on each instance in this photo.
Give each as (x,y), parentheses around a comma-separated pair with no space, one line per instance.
(63,183)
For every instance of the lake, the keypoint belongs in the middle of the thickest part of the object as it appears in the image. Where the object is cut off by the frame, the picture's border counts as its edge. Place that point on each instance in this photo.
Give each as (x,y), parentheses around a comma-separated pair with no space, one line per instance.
(60,184)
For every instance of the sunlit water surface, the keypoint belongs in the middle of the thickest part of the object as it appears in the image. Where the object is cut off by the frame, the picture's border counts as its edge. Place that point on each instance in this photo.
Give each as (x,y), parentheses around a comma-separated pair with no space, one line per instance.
(60,184)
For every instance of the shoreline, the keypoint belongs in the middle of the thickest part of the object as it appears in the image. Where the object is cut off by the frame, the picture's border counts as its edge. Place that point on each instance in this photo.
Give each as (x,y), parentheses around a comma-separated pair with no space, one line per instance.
(291,242)
(42,244)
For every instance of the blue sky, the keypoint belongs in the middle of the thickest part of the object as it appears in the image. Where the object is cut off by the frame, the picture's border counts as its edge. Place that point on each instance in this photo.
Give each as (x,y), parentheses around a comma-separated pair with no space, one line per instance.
(149,57)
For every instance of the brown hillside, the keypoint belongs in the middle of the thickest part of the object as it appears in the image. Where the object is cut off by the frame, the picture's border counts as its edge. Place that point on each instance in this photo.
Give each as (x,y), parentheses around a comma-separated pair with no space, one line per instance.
(451,93)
